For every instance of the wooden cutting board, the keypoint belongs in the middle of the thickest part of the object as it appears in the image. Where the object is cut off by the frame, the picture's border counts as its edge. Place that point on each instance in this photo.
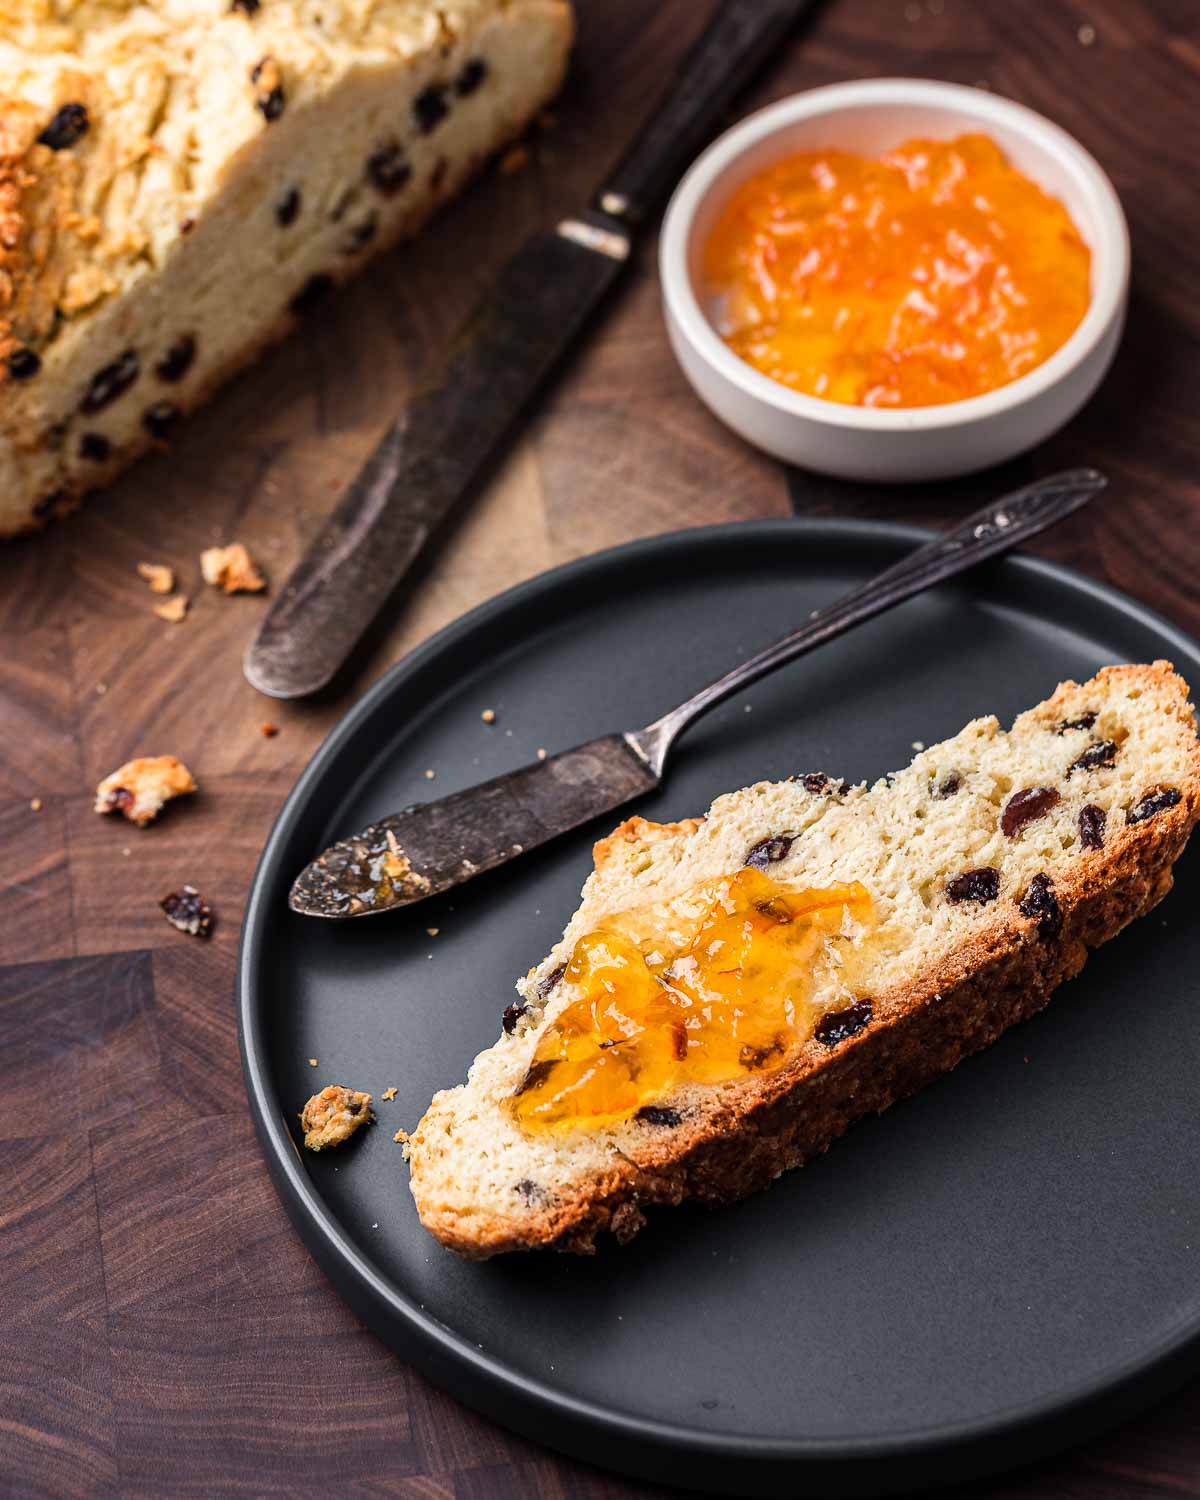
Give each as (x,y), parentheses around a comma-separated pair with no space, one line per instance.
(164,1332)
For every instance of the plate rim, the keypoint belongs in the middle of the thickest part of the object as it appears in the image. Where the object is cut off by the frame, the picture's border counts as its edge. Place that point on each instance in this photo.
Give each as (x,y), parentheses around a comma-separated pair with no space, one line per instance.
(493,1387)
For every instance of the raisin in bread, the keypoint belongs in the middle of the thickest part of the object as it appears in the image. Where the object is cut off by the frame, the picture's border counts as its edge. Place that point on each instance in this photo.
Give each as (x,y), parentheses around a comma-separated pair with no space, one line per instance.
(180,178)
(989,895)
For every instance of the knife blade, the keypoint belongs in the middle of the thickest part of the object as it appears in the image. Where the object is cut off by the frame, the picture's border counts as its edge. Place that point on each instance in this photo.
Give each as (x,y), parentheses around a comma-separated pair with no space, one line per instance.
(472,396)
(430,456)
(433,846)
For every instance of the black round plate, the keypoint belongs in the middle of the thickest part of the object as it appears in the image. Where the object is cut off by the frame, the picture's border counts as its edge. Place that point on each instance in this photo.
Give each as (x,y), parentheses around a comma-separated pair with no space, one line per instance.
(987,1272)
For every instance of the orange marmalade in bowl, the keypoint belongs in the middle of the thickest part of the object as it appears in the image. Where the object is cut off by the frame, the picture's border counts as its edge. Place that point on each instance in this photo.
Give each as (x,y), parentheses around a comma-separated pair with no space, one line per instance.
(934,273)
(662,1002)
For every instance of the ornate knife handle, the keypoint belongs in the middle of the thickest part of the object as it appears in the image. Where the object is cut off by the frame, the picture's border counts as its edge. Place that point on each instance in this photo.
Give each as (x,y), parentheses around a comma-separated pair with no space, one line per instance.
(737,42)
(997,527)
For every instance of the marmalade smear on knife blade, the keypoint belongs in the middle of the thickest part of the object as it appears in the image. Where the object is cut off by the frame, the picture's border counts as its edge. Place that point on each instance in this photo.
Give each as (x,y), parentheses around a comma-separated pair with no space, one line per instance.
(736,994)
(936,273)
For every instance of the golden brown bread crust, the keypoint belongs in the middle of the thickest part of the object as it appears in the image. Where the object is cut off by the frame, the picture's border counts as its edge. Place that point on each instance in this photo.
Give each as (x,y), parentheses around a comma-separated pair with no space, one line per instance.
(38,225)
(637,830)
(15,179)
(780,1120)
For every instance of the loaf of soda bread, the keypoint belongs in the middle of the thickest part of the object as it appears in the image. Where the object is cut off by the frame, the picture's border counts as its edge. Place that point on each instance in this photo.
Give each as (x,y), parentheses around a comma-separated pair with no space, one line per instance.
(179,179)
(994,862)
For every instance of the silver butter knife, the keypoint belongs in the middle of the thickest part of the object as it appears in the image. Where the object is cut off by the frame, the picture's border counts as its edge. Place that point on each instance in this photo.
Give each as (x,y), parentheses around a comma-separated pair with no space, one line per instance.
(436,845)
(467,404)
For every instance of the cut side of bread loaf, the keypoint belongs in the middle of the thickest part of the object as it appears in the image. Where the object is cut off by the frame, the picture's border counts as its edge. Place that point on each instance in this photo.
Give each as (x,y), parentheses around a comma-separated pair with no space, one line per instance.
(987,897)
(181,179)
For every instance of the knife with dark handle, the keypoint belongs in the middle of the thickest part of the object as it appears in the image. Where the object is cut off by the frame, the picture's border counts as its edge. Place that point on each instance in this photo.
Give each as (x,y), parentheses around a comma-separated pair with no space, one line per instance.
(436,845)
(470,400)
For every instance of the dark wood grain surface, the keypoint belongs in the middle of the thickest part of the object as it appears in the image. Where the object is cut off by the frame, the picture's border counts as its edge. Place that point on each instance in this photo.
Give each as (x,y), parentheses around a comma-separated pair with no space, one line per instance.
(162,1331)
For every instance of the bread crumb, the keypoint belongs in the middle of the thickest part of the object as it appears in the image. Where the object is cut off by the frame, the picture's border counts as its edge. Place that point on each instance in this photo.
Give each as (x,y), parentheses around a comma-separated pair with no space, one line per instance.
(232,569)
(514,160)
(268,731)
(172,610)
(429,775)
(401,1136)
(160,578)
(488,716)
(433,931)
(918,744)
(541,752)
(141,787)
(388,1093)
(399,868)
(1086,35)
(333,1115)
(35,804)
(187,910)
(312,1062)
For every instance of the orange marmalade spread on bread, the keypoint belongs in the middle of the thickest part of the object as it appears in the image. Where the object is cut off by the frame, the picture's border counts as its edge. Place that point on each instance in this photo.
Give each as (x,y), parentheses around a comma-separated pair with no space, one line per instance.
(935,273)
(731,990)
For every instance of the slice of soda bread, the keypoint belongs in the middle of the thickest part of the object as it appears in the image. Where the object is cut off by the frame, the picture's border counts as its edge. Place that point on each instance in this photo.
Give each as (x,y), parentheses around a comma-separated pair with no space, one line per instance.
(985,899)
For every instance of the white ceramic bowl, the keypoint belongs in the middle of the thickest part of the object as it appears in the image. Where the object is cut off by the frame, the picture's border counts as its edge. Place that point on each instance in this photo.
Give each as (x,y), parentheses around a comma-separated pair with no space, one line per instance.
(926,442)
